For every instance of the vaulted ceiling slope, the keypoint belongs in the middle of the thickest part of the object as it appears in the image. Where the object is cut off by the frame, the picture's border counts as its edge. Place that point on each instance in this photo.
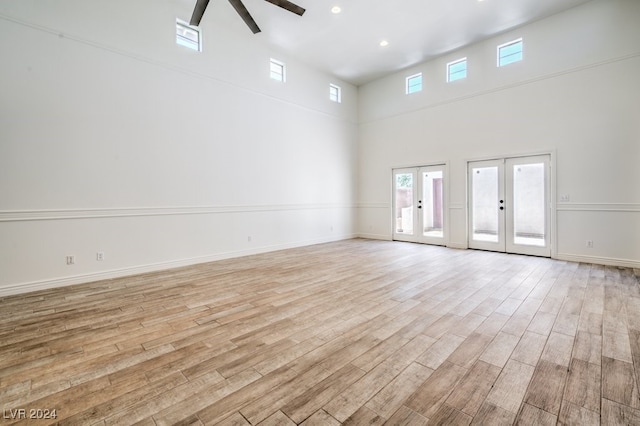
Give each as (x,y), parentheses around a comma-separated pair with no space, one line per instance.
(347,44)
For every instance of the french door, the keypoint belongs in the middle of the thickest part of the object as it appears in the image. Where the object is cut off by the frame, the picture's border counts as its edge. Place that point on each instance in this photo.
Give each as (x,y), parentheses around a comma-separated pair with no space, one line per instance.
(419,205)
(509,205)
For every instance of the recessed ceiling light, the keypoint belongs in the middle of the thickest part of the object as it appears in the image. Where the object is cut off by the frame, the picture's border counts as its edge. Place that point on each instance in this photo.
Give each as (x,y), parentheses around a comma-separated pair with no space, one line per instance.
(336,9)
(384,43)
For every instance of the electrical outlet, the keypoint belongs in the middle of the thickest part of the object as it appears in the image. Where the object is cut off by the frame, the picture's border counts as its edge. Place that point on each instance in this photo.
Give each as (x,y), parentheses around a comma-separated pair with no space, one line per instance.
(249,239)
(71,260)
(565,198)
(590,243)
(100,256)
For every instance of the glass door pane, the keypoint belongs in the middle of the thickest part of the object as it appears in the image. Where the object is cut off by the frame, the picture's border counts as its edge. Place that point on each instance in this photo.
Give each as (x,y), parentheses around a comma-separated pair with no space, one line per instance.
(485,206)
(529,204)
(404,202)
(527,183)
(432,204)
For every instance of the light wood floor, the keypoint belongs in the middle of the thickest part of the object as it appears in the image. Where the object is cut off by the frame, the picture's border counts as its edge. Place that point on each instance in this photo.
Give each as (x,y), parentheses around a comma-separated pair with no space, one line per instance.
(354,332)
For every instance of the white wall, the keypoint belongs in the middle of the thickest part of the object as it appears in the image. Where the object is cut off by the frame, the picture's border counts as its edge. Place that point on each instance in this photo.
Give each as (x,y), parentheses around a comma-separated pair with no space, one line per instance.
(115,139)
(576,95)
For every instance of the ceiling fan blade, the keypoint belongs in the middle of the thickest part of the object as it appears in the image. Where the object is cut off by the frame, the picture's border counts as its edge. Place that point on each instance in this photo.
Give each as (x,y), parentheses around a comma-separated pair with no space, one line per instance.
(198,11)
(245,15)
(286,4)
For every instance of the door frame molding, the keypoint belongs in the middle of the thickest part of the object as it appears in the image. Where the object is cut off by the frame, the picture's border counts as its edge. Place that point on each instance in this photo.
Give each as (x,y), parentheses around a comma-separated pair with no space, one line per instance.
(553,215)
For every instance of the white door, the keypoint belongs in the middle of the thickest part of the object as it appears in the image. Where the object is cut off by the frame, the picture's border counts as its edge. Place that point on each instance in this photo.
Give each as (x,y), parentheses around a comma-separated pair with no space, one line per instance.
(419,205)
(509,205)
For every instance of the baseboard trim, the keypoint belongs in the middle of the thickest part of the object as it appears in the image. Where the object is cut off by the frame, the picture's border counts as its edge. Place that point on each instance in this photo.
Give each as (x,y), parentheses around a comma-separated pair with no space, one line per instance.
(460,246)
(29,287)
(389,238)
(608,261)
(48,284)
(375,237)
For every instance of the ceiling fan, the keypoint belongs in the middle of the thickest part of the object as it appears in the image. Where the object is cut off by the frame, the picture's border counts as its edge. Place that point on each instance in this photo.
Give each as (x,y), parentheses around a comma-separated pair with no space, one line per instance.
(201,5)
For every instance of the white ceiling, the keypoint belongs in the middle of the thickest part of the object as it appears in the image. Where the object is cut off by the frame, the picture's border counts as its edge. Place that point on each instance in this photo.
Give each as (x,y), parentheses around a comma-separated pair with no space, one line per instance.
(347,44)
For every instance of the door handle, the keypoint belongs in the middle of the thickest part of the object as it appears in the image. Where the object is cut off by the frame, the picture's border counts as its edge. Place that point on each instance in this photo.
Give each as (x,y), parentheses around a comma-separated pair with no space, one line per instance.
(501,207)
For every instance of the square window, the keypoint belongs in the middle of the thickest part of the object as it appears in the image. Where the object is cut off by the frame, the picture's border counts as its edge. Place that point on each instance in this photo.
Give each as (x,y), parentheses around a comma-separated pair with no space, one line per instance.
(414,83)
(278,71)
(188,36)
(509,53)
(457,70)
(335,93)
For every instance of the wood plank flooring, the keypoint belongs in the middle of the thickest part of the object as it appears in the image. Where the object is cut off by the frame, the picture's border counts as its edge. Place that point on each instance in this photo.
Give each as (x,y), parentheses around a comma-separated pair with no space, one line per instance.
(354,332)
